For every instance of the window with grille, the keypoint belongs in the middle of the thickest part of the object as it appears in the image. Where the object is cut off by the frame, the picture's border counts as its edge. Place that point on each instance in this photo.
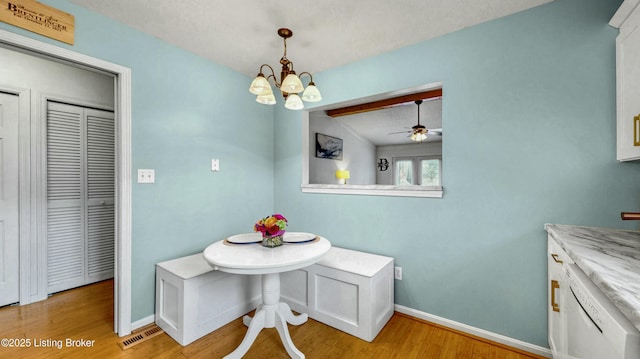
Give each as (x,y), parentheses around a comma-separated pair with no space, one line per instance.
(419,170)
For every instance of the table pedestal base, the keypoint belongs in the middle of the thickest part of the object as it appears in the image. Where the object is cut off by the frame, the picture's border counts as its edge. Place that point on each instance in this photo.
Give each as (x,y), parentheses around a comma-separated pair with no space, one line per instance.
(272,313)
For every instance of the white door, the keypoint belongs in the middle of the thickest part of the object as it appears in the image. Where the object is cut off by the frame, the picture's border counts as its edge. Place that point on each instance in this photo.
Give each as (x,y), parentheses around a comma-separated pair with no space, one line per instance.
(9,185)
(80,196)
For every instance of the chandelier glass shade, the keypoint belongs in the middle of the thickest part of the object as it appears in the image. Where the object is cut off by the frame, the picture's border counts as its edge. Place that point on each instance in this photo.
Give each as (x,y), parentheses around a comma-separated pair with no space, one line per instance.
(260,86)
(266,99)
(290,84)
(294,102)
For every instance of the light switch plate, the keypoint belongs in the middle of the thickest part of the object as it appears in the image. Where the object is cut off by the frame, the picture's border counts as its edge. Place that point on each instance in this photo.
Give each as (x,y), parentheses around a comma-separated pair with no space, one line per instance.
(215,165)
(146,176)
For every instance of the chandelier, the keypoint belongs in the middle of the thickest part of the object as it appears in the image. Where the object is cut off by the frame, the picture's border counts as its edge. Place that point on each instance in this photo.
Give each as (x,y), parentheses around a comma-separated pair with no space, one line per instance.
(290,84)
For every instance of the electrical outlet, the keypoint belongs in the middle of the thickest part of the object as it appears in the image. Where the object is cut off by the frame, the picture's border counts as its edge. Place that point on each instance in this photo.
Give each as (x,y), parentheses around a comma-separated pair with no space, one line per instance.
(146,176)
(215,165)
(397,273)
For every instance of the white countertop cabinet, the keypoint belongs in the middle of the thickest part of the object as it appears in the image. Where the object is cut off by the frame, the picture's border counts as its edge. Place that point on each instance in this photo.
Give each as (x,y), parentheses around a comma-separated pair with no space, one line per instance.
(594,305)
(609,257)
(627,19)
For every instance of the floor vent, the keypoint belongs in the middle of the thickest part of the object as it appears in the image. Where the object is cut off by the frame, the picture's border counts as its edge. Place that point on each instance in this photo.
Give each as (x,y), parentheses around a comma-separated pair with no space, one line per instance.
(140,336)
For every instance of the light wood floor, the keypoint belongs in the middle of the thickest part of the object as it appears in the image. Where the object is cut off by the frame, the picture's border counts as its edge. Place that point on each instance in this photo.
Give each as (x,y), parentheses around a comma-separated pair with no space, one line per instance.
(87,313)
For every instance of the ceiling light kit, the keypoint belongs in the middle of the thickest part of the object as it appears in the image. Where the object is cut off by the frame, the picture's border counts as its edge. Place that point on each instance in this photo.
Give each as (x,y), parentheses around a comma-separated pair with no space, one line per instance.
(290,84)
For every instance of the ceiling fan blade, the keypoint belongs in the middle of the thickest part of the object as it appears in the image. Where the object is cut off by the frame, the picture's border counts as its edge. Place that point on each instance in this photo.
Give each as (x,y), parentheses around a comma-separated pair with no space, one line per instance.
(395,133)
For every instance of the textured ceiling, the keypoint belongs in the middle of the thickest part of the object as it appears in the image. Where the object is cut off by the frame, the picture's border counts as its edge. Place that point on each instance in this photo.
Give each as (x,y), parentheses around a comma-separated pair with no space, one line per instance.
(241,34)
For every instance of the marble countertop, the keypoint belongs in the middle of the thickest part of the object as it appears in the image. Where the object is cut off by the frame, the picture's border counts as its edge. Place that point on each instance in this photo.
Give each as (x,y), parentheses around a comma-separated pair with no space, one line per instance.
(610,257)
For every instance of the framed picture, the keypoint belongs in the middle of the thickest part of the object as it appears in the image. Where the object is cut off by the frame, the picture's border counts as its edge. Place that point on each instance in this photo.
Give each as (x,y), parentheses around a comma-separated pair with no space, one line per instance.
(328,147)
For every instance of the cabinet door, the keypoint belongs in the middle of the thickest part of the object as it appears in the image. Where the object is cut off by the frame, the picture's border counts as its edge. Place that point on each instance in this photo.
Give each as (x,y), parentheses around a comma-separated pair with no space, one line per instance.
(556,298)
(628,88)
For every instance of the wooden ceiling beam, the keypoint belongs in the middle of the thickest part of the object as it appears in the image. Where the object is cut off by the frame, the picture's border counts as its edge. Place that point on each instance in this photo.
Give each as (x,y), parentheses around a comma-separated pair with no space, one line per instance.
(386,103)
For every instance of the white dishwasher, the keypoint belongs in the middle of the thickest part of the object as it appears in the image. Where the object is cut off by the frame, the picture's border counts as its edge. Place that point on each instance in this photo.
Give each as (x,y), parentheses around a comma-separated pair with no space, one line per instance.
(595,328)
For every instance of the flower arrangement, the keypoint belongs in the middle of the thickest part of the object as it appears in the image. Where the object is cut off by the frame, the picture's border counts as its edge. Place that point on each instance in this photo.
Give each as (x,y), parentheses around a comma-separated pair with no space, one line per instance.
(271,226)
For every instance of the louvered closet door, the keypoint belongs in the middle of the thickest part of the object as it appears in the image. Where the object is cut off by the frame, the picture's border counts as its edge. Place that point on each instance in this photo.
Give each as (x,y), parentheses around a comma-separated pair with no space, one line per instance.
(80,196)
(100,194)
(65,198)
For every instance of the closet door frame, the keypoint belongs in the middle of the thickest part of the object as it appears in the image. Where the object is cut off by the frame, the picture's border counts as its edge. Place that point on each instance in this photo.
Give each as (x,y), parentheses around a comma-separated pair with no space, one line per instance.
(31,258)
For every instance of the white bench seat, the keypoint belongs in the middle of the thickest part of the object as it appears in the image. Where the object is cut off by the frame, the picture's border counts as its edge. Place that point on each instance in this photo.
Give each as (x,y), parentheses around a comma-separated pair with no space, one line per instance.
(193,299)
(349,290)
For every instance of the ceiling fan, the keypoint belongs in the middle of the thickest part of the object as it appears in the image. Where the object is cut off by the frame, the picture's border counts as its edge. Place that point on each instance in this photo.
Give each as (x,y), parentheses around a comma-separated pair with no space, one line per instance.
(419,132)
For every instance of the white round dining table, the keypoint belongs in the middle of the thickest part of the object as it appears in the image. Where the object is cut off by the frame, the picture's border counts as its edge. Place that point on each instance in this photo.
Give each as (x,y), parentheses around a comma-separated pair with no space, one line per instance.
(254,259)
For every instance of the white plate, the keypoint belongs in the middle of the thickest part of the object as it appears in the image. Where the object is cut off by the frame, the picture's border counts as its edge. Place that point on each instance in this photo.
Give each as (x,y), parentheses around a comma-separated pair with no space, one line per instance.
(245,238)
(298,237)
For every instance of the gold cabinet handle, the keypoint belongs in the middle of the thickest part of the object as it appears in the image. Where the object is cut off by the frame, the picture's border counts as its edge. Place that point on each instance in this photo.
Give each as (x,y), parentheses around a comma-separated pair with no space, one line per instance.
(555,258)
(554,285)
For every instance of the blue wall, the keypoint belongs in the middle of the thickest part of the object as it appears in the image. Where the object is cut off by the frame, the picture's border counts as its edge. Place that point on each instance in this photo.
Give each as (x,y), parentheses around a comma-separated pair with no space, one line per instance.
(529,120)
(529,123)
(185,111)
